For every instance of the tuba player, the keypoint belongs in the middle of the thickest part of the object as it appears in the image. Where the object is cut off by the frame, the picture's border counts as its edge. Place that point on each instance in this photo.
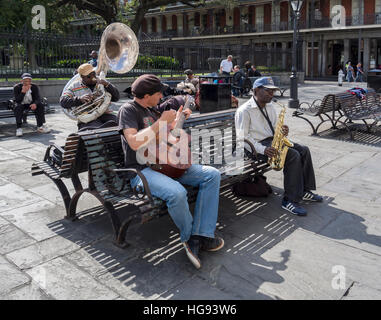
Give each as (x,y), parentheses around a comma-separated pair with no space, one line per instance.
(81,90)
(256,120)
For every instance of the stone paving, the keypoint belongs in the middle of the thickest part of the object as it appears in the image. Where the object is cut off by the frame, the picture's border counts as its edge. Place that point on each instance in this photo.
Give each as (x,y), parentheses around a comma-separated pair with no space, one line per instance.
(333,253)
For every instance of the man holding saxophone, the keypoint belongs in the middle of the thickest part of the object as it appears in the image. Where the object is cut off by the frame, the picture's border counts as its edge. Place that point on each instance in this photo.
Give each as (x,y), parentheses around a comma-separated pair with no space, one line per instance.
(80,90)
(256,120)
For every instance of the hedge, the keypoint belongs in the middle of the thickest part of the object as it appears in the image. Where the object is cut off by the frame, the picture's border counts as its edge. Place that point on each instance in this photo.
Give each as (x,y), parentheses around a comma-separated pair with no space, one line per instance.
(158,62)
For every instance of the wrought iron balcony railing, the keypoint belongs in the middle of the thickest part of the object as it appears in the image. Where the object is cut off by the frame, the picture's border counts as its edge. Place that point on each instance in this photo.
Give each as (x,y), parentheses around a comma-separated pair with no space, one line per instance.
(356,20)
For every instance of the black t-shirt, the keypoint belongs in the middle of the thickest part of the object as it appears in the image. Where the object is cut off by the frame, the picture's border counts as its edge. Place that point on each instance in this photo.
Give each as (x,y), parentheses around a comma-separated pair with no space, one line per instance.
(133,115)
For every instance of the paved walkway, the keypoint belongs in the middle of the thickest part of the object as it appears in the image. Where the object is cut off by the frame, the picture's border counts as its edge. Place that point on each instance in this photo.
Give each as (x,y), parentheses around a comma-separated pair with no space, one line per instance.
(333,253)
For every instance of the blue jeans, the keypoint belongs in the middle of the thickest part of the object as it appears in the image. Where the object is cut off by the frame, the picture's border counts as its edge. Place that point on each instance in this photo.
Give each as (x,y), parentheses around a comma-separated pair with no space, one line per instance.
(359,77)
(237,89)
(170,190)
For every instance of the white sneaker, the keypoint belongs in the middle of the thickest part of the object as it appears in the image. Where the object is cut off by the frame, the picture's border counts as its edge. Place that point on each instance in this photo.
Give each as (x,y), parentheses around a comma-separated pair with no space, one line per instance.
(43,129)
(18,132)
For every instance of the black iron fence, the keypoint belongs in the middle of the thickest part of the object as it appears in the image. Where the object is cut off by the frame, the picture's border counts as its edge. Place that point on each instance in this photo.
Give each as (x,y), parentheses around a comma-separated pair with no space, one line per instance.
(47,55)
(54,56)
(43,54)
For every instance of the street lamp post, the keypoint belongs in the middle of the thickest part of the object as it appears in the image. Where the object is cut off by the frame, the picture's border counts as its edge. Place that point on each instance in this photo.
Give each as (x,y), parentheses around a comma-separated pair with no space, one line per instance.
(294,101)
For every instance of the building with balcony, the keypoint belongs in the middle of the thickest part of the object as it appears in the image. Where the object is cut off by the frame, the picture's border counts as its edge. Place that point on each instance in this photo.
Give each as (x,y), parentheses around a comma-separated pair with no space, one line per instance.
(261,31)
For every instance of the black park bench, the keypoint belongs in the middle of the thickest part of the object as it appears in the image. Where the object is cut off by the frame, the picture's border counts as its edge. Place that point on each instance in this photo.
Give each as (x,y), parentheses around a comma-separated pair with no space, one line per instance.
(365,109)
(343,108)
(99,153)
(322,109)
(282,87)
(7,105)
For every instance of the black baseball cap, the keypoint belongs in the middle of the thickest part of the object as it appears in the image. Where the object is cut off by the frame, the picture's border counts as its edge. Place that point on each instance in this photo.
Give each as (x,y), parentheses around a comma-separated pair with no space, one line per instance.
(147,84)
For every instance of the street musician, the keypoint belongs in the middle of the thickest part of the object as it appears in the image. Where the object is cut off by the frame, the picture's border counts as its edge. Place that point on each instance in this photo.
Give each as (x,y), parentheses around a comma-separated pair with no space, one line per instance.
(80,90)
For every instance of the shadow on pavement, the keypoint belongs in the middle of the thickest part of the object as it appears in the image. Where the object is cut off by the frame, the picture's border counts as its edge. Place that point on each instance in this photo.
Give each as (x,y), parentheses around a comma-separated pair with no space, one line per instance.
(155,264)
(360,136)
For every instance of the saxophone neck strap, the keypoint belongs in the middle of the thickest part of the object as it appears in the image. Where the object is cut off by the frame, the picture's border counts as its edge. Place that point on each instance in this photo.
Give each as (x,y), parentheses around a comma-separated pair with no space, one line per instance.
(265,114)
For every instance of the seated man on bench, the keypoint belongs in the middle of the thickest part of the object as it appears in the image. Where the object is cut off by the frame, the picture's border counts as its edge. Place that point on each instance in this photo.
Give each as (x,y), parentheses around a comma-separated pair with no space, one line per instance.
(256,119)
(238,79)
(80,89)
(137,120)
(27,97)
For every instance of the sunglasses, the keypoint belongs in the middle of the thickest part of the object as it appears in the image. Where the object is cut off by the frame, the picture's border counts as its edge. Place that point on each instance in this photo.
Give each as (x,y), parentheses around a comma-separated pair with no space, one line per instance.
(90,75)
(268,90)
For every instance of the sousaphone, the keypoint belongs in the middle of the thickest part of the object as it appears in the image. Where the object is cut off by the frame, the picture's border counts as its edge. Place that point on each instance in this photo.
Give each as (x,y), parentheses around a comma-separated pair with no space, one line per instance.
(118,52)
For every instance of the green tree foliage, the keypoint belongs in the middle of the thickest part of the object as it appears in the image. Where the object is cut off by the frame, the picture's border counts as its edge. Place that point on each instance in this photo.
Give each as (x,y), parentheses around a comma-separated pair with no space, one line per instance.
(139,8)
(107,9)
(110,10)
(17,14)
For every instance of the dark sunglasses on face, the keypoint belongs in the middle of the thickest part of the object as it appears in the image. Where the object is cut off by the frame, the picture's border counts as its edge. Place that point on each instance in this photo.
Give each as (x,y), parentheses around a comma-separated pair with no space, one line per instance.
(90,75)
(268,90)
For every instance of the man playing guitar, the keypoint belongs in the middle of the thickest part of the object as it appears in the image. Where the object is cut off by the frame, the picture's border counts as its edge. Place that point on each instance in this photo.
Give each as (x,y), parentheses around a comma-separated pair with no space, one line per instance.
(140,119)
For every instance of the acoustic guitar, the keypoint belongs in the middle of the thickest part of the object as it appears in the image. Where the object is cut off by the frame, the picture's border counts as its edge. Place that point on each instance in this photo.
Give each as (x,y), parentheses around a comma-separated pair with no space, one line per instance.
(171,168)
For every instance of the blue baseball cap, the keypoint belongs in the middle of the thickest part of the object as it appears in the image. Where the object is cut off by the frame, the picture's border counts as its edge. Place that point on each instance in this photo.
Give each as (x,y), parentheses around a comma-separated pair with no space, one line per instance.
(266,82)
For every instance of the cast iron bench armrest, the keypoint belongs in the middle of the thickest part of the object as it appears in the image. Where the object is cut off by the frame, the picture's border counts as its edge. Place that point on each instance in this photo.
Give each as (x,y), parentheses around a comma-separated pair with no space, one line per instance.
(11,104)
(144,180)
(253,151)
(313,109)
(55,146)
(282,90)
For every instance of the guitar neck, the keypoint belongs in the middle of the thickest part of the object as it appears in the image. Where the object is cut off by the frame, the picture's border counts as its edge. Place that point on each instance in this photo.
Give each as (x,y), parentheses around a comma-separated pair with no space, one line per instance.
(180,122)
(188,105)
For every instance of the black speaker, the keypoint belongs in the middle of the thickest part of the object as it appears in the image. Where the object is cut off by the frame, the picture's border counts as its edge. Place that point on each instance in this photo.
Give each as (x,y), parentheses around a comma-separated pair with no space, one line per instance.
(374,80)
(215,97)
(224,96)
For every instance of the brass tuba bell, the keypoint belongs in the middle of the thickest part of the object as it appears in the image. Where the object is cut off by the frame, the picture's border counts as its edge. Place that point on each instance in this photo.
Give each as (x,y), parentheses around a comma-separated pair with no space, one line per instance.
(119,51)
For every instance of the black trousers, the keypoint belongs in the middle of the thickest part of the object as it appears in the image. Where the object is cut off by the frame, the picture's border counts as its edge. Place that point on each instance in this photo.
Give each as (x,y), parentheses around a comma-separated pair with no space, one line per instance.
(298,171)
(105,120)
(39,114)
(224,73)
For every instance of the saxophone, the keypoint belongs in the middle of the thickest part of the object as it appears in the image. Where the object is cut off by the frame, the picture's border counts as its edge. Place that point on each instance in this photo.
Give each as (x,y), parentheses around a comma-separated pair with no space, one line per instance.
(280,143)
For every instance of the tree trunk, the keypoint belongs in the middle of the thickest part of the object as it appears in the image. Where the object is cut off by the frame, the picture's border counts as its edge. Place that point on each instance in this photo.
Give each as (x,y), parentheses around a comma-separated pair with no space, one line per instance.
(31,49)
(139,16)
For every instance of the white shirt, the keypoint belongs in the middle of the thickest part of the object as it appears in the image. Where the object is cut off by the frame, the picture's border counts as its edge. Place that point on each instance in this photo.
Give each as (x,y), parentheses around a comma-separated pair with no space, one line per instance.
(252,125)
(226,65)
(27,97)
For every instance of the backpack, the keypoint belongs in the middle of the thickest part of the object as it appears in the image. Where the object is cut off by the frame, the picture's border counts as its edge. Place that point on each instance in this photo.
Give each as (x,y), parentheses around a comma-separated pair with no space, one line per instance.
(253,187)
